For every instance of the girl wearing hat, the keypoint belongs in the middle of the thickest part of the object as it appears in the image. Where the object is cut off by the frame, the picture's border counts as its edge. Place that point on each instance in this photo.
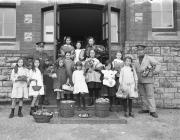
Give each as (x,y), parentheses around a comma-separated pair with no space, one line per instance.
(128,85)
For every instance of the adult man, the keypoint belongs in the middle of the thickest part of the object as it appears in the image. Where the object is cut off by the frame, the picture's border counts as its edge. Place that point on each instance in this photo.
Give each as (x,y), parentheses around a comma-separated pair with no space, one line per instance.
(43,57)
(146,67)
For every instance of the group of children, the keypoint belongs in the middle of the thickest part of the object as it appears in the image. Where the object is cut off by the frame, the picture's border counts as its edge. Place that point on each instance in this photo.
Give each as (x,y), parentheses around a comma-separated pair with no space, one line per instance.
(81,69)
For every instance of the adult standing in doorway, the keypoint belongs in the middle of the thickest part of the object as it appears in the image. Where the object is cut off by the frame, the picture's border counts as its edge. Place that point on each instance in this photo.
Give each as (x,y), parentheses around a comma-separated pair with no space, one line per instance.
(67,47)
(146,67)
(43,57)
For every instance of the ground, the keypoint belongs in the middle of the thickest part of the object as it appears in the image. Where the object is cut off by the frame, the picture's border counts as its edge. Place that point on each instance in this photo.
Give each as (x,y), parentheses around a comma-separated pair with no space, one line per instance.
(142,127)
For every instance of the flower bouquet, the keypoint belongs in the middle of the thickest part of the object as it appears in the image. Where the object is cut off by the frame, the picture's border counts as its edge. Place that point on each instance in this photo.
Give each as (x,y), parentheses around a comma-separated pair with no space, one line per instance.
(148,72)
(42,116)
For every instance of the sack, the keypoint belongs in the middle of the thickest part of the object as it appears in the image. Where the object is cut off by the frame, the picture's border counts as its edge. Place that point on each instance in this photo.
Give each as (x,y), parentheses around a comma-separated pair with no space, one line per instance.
(121,93)
(67,87)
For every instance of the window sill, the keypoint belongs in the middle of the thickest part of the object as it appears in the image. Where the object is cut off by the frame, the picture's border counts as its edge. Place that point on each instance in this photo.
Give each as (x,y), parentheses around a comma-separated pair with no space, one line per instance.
(9,45)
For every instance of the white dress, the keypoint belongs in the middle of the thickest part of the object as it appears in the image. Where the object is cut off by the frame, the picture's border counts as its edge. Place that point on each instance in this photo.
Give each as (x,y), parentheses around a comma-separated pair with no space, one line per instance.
(77,54)
(19,89)
(37,75)
(79,82)
(127,81)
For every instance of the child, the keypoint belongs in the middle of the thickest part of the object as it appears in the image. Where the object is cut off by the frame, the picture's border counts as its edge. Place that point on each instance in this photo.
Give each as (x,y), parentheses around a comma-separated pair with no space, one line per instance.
(19,77)
(80,86)
(60,77)
(36,78)
(117,65)
(90,46)
(93,76)
(67,47)
(109,82)
(78,52)
(69,66)
(128,83)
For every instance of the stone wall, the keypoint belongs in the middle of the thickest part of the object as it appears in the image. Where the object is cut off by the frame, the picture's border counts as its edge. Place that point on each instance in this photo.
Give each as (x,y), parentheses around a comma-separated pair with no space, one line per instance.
(167,83)
(7,58)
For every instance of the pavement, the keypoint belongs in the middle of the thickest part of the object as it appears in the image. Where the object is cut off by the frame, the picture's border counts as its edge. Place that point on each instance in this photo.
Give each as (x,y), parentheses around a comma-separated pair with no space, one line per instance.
(142,127)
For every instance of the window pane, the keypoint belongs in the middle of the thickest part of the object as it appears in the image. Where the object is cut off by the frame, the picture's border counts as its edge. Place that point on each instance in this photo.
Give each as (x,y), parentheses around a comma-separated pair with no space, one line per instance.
(114,26)
(167,21)
(49,26)
(156,19)
(10,16)
(167,5)
(9,30)
(7,22)
(156,5)
(1,27)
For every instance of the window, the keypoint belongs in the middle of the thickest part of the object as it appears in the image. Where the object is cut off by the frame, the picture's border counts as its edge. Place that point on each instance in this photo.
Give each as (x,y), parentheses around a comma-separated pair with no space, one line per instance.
(114,26)
(162,14)
(7,23)
(48,26)
(113,23)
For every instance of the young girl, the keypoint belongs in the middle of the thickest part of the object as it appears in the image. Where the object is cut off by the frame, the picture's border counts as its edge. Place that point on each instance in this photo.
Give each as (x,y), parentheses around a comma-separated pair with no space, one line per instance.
(93,76)
(90,46)
(19,77)
(128,84)
(79,52)
(36,78)
(117,65)
(109,82)
(60,78)
(67,47)
(80,86)
(69,66)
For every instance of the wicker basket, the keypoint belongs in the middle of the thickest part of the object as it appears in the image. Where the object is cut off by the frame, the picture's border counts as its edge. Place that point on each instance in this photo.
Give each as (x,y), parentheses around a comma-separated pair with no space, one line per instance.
(102,109)
(67,108)
(42,118)
(36,87)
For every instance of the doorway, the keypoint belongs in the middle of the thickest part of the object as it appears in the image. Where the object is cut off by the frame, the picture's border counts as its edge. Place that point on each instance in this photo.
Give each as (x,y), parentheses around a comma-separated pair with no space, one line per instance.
(80,22)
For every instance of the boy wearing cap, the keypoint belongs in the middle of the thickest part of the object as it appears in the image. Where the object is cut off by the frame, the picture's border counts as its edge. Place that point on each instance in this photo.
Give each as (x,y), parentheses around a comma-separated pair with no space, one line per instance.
(146,66)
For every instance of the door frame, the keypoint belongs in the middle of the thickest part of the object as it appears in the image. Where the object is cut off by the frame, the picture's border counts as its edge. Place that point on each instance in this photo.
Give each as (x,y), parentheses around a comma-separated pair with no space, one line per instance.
(57,7)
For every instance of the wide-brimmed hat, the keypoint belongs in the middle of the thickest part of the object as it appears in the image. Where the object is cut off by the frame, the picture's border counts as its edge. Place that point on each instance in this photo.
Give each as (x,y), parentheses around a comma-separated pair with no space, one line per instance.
(141,46)
(38,43)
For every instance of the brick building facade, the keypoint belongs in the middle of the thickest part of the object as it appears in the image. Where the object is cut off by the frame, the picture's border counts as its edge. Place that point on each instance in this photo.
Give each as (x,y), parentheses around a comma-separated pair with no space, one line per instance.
(131,22)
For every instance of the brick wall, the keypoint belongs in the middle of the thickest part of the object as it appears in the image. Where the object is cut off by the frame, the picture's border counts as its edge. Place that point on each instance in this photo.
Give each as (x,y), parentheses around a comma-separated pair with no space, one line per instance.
(167,83)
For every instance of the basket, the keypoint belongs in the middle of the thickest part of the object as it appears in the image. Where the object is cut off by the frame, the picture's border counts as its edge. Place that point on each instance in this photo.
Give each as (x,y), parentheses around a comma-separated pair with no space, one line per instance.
(67,87)
(42,118)
(36,87)
(102,109)
(67,108)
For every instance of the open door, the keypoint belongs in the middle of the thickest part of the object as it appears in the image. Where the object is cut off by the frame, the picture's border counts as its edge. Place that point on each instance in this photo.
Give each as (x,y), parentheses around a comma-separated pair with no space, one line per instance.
(111,28)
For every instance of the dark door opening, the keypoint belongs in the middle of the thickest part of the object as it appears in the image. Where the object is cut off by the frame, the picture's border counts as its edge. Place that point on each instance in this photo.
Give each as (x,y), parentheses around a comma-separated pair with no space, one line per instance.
(80,23)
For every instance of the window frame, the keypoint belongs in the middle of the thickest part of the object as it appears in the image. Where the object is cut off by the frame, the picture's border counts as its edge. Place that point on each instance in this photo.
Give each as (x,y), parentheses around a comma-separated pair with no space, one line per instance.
(173,29)
(118,24)
(43,10)
(13,6)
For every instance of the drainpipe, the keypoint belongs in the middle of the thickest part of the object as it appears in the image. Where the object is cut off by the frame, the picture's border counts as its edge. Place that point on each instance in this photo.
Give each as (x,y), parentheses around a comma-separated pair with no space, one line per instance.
(124,39)
(55,33)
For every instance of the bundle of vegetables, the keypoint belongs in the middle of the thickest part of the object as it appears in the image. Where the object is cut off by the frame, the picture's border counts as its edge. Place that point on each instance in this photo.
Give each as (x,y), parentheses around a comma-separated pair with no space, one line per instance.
(42,116)
(67,101)
(22,78)
(102,100)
